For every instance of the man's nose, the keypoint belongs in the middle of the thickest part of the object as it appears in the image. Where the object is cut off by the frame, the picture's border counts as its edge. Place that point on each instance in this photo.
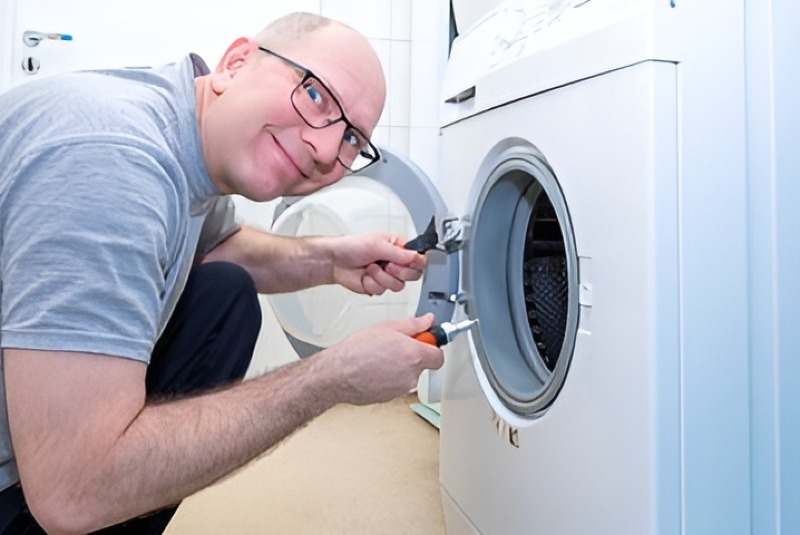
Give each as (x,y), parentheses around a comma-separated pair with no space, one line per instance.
(325,142)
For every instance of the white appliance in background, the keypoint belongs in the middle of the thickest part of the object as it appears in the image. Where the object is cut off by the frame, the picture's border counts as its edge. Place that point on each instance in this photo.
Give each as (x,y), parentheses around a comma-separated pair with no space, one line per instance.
(602,155)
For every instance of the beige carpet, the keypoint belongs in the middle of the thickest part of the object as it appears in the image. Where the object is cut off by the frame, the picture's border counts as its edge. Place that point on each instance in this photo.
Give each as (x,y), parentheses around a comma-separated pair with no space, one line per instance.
(371,470)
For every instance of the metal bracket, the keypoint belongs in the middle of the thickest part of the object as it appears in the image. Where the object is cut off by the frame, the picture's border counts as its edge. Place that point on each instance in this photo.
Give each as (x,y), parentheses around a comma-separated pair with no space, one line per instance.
(453,232)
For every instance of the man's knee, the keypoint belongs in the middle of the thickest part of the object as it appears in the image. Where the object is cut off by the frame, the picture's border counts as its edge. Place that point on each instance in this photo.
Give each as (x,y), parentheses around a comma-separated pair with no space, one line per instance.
(232,289)
(212,333)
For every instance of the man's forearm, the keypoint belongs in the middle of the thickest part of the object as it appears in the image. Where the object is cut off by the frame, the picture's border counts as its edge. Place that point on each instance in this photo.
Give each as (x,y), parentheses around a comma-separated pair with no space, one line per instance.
(176,448)
(277,264)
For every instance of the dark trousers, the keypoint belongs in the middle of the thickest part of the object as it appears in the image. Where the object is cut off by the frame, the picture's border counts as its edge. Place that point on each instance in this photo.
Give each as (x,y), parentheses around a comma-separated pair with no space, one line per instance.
(208,342)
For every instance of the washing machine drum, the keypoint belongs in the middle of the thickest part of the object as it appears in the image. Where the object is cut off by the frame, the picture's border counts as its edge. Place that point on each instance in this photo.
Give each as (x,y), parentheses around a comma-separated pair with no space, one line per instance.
(545,282)
(520,273)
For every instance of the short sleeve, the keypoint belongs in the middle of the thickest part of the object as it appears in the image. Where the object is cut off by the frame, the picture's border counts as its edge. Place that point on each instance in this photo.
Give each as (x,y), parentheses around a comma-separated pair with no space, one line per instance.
(85,251)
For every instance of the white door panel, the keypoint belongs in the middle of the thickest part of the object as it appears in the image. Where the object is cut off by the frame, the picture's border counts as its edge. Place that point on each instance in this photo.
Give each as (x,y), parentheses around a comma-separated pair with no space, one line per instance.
(126,34)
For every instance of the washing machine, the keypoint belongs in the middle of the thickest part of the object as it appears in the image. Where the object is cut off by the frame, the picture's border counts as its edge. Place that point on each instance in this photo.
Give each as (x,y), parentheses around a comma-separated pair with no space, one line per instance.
(595,153)
(600,177)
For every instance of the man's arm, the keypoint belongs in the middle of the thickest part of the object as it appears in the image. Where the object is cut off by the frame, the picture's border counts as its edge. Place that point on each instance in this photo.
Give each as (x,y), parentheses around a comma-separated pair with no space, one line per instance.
(284,264)
(92,452)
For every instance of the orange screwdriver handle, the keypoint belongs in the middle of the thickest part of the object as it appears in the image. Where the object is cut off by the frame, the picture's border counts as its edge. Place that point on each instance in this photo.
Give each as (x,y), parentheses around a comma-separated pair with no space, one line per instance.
(435,336)
(426,337)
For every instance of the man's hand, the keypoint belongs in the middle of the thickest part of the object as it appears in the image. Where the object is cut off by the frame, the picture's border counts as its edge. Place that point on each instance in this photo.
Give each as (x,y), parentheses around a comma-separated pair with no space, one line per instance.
(366,263)
(373,263)
(383,362)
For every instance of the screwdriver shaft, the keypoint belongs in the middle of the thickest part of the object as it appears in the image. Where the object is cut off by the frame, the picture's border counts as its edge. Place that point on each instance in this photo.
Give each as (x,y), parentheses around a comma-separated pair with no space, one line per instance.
(440,335)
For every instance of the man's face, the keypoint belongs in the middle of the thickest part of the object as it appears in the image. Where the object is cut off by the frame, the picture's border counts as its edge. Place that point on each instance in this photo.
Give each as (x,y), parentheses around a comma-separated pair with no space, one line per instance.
(254,141)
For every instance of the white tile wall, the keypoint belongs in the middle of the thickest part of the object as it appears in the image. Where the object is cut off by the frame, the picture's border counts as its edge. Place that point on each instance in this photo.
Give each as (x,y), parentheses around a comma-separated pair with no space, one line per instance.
(399,139)
(424,149)
(250,19)
(424,83)
(399,90)
(383,48)
(380,136)
(411,39)
(373,18)
(401,20)
(429,45)
(428,19)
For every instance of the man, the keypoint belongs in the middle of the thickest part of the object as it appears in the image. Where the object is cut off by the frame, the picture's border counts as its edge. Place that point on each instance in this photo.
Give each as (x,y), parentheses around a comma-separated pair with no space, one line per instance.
(112,205)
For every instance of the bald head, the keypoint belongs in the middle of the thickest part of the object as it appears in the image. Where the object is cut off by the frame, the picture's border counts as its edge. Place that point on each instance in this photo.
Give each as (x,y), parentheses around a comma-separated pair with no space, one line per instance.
(322,44)
(289,29)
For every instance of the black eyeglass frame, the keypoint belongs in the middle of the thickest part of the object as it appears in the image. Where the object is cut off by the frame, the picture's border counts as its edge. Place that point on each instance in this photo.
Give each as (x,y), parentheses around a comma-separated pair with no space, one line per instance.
(309,74)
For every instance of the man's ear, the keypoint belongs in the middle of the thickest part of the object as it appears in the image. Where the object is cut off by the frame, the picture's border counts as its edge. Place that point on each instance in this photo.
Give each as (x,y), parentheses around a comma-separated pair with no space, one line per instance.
(233,59)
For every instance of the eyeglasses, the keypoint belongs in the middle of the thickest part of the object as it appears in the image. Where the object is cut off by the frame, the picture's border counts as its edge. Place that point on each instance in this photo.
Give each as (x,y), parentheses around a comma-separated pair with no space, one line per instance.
(316,105)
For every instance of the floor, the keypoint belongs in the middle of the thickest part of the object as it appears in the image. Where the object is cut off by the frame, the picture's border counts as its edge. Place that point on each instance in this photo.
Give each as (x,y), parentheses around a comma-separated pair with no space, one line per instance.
(371,470)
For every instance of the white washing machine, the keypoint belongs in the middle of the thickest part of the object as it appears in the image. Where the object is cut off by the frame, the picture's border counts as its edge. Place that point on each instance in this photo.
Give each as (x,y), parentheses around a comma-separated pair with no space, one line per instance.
(601,163)
(597,152)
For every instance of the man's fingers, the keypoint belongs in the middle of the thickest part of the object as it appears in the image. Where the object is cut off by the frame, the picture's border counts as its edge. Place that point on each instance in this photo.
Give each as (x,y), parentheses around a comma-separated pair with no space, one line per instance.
(396,254)
(383,279)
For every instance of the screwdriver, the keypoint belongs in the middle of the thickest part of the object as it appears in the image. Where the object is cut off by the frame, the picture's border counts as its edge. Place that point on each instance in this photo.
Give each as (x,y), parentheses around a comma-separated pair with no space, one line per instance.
(440,335)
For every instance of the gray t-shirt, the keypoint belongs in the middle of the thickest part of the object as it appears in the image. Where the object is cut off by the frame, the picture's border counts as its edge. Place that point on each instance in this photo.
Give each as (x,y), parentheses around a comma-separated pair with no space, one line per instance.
(104,195)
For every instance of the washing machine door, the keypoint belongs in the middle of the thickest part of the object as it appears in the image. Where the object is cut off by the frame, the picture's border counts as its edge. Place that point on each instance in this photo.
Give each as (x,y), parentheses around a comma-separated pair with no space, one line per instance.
(395,196)
(520,278)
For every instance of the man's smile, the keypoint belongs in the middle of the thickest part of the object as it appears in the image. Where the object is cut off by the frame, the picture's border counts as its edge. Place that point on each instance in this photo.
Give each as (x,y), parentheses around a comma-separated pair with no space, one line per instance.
(289,157)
